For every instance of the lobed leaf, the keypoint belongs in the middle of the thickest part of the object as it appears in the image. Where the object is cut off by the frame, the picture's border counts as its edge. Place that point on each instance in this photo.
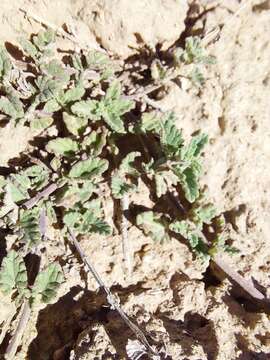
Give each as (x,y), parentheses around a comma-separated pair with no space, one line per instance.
(47,282)
(62,146)
(89,169)
(152,225)
(13,274)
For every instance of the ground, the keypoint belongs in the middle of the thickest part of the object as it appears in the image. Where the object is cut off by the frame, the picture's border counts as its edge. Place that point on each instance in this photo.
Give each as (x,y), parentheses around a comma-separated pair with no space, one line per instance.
(169,293)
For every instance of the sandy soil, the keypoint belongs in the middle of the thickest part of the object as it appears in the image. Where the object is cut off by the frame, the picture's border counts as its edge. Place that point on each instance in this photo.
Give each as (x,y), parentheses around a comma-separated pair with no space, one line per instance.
(169,294)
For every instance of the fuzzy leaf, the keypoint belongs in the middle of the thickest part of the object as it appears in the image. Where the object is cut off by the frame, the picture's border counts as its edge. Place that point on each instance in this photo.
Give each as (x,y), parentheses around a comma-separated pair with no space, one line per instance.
(19,187)
(152,225)
(47,282)
(205,214)
(161,185)
(91,223)
(95,141)
(40,124)
(171,138)
(29,223)
(89,169)
(13,273)
(5,62)
(74,124)
(150,123)
(126,166)
(181,227)
(120,187)
(87,108)
(51,106)
(190,184)
(114,121)
(12,107)
(62,146)
(194,148)
(72,95)
(44,38)
(28,48)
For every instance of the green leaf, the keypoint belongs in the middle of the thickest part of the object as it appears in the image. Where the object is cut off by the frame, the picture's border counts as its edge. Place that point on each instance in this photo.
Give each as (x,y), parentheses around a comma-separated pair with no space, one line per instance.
(12,107)
(171,138)
(73,94)
(51,106)
(114,91)
(40,124)
(89,169)
(91,223)
(13,273)
(29,223)
(126,166)
(57,71)
(47,282)
(194,148)
(72,218)
(19,186)
(62,146)
(181,227)
(48,88)
(44,38)
(87,108)
(190,185)
(150,123)
(38,175)
(95,142)
(205,214)
(74,124)
(120,187)
(5,62)
(152,225)
(28,48)
(161,185)
(97,60)
(114,121)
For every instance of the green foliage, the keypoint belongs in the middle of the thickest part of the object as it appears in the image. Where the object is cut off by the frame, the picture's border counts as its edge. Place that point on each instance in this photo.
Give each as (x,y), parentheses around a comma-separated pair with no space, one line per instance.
(152,224)
(94,147)
(88,221)
(110,108)
(13,275)
(62,147)
(29,224)
(89,169)
(47,283)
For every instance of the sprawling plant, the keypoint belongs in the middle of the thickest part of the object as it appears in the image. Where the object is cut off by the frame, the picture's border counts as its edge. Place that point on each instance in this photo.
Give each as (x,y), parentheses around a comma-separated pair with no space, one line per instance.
(92,135)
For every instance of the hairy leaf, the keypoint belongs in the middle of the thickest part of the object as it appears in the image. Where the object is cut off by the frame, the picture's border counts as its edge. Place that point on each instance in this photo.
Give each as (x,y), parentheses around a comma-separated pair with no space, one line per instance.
(29,223)
(11,106)
(47,282)
(62,146)
(126,166)
(87,108)
(73,94)
(95,142)
(161,185)
(171,138)
(13,273)
(152,225)
(74,124)
(150,123)
(40,124)
(120,187)
(51,106)
(89,169)
(5,63)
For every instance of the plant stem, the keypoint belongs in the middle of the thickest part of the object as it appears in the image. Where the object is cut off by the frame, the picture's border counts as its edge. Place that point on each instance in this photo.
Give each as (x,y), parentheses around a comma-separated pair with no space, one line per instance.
(112,300)
(15,341)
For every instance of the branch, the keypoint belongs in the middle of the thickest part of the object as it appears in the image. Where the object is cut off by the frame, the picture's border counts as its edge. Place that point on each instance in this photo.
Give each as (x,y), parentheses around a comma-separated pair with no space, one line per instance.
(44,193)
(127,252)
(112,300)
(24,315)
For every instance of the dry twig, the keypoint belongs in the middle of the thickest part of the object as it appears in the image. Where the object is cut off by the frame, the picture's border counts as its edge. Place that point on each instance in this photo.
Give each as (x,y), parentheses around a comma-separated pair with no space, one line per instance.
(112,300)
